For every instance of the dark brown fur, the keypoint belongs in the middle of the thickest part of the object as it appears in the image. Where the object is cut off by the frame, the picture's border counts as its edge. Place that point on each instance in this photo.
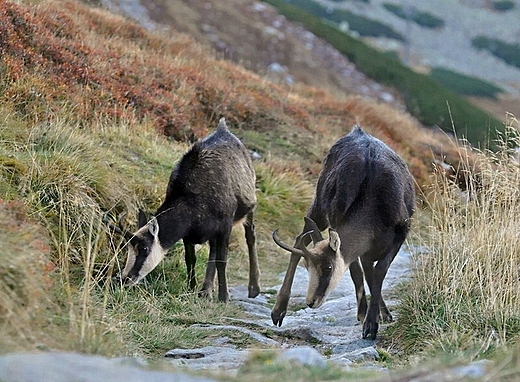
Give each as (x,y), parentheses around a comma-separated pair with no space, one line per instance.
(365,195)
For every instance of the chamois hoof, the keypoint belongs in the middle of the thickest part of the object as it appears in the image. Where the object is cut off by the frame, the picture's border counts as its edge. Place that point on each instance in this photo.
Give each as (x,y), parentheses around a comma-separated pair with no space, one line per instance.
(386,316)
(370,328)
(278,317)
(253,291)
(206,294)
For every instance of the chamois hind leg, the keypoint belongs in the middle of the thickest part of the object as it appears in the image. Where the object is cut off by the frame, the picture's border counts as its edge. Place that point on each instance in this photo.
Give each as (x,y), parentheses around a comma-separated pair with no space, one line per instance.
(190,259)
(368,268)
(254,269)
(371,324)
(222,243)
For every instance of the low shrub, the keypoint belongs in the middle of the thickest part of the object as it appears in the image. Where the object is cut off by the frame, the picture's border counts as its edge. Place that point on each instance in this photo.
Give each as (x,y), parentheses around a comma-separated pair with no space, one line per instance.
(503,5)
(509,53)
(359,24)
(423,19)
(465,85)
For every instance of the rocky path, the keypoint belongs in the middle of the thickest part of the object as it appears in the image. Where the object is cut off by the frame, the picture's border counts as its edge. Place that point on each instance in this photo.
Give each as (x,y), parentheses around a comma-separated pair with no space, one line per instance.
(316,336)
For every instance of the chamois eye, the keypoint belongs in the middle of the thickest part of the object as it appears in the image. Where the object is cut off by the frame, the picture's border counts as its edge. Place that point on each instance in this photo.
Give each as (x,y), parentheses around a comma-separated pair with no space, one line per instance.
(329,268)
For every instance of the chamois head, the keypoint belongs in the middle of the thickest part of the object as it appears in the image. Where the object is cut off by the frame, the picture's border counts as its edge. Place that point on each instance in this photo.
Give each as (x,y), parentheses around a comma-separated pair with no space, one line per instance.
(144,248)
(324,261)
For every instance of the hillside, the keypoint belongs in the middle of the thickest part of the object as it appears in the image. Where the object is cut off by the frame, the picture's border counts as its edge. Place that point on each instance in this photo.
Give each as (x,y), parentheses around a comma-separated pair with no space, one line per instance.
(440,34)
(254,35)
(94,112)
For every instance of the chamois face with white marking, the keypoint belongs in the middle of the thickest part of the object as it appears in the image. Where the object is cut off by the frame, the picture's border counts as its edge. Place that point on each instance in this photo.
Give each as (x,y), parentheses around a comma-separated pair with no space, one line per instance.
(324,262)
(144,253)
(326,267)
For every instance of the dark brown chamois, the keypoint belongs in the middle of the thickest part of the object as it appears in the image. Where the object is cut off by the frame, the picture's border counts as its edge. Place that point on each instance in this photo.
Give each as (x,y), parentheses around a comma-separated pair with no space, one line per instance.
(210,189)
(365,197)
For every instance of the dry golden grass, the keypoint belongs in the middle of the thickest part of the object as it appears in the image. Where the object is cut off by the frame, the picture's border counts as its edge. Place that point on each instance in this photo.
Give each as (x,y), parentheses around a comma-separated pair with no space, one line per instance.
(464,295)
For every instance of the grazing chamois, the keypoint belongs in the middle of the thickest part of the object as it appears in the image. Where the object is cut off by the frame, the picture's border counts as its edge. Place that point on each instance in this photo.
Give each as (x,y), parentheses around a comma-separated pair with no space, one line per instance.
(365,196)
(210,189)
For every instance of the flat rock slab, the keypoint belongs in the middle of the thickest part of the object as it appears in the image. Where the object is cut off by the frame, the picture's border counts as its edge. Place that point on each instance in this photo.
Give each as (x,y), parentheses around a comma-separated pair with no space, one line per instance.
(71,367)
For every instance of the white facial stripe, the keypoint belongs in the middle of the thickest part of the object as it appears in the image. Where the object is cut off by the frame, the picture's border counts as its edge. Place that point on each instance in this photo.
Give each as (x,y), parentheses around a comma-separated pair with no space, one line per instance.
(155,256)
(337,275)
(314,279)
(130,261)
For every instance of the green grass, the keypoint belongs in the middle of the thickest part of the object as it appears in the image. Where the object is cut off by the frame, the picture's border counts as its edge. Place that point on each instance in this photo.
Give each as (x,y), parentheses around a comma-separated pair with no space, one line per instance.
(431,103)
(503,5)
(359,24)
(509,53)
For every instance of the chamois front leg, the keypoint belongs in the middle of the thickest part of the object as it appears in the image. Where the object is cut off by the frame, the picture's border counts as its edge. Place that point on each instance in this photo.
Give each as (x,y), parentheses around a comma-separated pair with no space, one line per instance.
(368,268)
(190,259)
(371,324)
(282,300)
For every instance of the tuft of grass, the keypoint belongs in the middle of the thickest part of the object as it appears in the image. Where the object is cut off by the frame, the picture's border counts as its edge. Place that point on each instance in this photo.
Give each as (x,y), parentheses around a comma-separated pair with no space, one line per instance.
(264,366)
(463,296)
(26,278)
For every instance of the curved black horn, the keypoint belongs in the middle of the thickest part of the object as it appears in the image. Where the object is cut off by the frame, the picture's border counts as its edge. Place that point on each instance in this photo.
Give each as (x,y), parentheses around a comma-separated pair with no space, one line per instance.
(281,244)
(304,249)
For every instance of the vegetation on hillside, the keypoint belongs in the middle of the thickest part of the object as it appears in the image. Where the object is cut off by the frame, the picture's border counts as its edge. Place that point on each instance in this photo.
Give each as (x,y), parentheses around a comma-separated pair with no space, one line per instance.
(463,296)
(423,19)
(509,53)
(466,85)
(94,113)
(427,100)
(356,23)
(503,5)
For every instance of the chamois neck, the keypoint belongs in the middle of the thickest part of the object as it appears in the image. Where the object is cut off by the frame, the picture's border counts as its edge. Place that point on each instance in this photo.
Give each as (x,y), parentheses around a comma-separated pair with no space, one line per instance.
(173,224)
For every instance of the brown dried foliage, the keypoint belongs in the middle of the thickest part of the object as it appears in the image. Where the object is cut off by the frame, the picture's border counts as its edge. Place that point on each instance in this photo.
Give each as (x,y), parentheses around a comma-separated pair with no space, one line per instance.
(62,55)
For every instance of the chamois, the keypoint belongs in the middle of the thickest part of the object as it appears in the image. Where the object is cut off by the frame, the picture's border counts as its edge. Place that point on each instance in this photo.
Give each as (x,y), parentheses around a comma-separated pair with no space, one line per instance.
(210,189)
(365,196)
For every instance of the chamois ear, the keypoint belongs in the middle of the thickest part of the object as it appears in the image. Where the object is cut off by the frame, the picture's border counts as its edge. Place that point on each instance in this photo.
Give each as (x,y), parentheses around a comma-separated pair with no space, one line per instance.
(141,219)
(334,241)
(310,225)
(153,226)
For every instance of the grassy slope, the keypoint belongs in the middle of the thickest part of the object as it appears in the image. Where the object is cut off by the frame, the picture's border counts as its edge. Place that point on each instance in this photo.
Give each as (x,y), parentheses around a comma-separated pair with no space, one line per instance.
(94,112)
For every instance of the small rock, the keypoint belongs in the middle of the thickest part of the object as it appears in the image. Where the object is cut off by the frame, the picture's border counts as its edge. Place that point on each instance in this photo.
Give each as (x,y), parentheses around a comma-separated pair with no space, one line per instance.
(304,355)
